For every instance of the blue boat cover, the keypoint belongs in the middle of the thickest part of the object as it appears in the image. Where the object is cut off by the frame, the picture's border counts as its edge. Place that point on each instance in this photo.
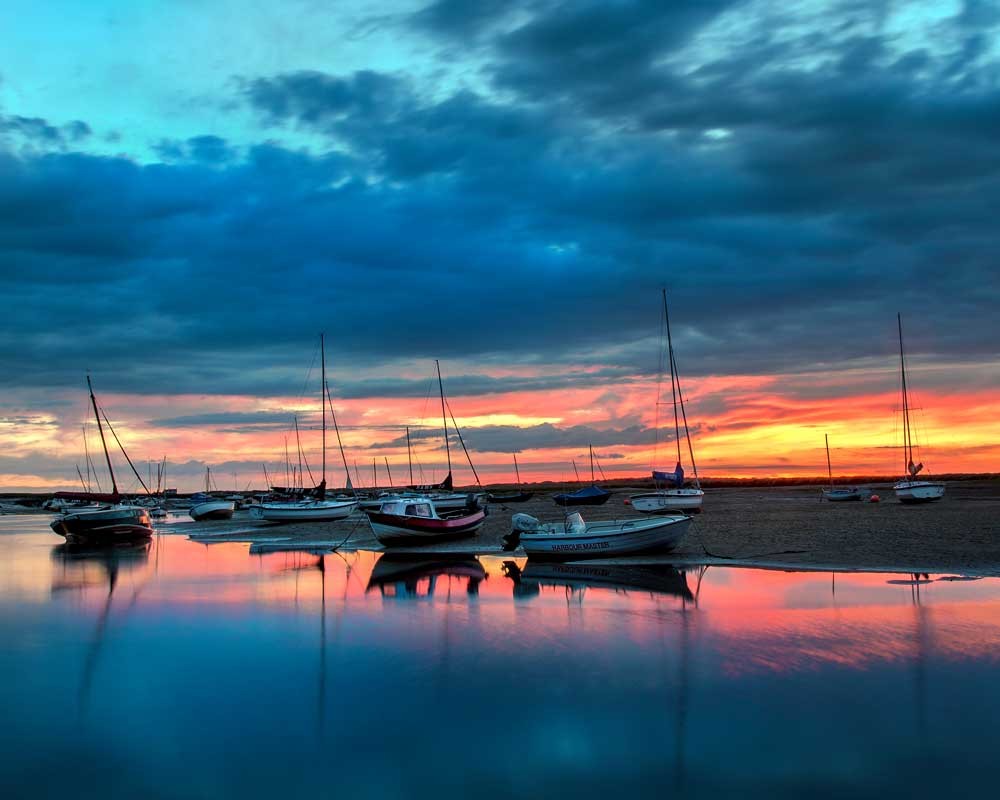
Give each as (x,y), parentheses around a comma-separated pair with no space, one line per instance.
(676,477)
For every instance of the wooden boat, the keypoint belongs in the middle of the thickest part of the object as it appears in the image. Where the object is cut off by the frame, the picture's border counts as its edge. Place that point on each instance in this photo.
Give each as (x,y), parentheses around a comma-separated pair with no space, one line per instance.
(671,494)
(910,490)
(111,524)
(575,539)
(315,508)
(839,494)
(416,521)
(520,496)
(207,507)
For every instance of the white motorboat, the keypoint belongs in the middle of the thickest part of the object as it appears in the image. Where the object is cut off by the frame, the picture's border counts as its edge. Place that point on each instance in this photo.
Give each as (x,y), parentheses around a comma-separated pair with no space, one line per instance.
(204,506)
(303,511)
(212,509)
(671,495)
(909,490)
(575,538)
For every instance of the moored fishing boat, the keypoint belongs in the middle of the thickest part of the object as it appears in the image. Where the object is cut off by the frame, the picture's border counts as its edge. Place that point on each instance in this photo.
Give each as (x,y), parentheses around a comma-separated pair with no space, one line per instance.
(111,524)
(671,494)
(416,521)
(909,490)
(574,538)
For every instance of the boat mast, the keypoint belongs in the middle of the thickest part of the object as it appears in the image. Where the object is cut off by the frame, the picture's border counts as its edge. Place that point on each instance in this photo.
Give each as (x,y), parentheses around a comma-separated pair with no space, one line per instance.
(907,441)
(298,446)
(387,472)
(829,468)
(444,419)
(322,404)
(104,444)
(86,452)
(517,472)
(673,380)
(592,478)
(409,456)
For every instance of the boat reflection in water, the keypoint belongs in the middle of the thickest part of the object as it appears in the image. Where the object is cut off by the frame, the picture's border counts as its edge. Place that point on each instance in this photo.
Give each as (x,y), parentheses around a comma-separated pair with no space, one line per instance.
(396,575)
(647,578)
(81,567)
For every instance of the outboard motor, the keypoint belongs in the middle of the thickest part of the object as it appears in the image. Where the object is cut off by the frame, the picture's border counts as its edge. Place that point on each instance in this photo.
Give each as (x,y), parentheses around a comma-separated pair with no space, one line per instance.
(519,523)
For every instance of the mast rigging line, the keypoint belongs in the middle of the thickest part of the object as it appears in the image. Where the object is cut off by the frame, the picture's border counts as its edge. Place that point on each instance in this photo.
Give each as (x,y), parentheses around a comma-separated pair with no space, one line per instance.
(464,448)
(122,448)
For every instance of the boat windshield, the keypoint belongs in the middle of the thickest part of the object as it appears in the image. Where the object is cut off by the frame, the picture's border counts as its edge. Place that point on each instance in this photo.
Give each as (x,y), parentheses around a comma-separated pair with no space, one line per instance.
(419,510)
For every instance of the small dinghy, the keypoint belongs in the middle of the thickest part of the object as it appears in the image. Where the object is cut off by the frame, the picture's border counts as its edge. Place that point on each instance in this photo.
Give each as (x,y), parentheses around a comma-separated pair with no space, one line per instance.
(575,538)
(416,521)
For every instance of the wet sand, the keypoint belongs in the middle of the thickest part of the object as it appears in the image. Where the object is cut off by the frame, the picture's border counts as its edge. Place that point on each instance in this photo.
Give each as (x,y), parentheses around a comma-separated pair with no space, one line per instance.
(779,526)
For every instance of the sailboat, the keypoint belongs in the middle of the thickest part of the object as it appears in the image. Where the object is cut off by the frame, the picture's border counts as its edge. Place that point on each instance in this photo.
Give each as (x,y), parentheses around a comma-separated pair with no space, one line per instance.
(111,524)
(519,496)
(592,495)
(838,493)
(678,497)
(208,507)
(909,489)
(316,508)
(442,494)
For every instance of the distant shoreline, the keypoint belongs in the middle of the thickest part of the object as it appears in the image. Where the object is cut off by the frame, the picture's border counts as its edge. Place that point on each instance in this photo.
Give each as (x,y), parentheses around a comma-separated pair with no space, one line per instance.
(640,482)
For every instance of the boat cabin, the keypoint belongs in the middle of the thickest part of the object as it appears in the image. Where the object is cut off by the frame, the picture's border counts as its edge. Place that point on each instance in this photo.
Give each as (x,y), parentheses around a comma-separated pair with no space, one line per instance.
(409,507)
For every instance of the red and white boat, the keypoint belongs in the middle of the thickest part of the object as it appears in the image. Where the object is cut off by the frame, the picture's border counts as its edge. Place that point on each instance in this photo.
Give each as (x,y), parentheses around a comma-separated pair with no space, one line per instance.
(416,521)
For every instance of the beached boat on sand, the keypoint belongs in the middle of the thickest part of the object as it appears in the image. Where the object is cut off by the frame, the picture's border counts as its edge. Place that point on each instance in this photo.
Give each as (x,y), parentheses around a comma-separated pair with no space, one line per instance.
(592,495)
(839,494)
(575,538)
(909,490)
(416,521)
(317,508)
(204,506)
(671,495)
(112,524)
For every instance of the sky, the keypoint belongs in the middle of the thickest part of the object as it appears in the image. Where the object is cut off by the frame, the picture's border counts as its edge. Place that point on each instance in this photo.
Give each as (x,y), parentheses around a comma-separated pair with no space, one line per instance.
(190,192)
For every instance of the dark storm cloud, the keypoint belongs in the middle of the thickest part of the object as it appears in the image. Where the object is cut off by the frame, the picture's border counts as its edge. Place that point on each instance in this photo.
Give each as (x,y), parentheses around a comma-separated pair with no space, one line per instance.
(262,419)
(793,187)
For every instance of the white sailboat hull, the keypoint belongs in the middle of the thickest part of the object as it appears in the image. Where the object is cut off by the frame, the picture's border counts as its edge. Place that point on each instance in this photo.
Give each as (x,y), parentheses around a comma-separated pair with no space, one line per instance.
(214,509)
(665,501)
(843,495)
(918,491)
(306,511)
(606,539)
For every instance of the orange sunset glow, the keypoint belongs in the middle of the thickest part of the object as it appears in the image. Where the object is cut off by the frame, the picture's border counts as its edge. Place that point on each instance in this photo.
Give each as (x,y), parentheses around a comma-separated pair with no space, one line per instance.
(742,425)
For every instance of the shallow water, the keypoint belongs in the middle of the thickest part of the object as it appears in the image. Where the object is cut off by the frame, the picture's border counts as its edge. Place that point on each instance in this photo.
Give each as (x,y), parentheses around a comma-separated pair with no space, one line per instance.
(186,670)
